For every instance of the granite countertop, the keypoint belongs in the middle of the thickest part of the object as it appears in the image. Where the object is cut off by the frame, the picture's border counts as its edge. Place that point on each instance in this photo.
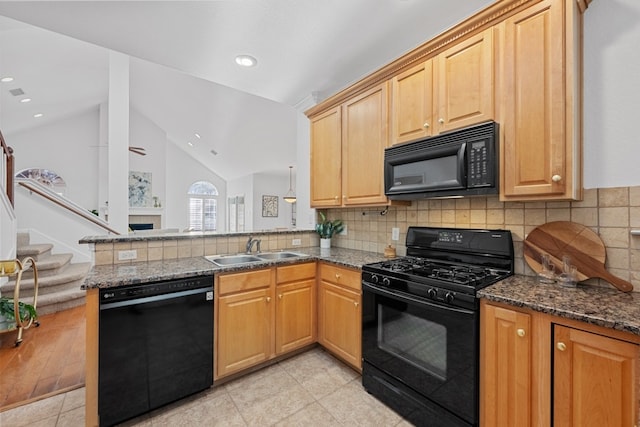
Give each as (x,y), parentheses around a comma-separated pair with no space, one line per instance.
(602,306)
(108,276)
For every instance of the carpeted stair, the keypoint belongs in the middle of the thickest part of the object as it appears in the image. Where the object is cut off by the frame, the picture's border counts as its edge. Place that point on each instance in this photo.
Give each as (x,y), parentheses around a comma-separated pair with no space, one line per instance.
(59,279)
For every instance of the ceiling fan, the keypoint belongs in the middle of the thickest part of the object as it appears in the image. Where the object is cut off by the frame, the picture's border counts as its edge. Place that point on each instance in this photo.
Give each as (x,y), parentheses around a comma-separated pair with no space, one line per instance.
(138,150)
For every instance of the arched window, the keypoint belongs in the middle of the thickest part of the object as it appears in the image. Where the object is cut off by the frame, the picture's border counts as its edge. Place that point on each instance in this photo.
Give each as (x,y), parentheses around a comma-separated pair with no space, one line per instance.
(45,177)
(203,206)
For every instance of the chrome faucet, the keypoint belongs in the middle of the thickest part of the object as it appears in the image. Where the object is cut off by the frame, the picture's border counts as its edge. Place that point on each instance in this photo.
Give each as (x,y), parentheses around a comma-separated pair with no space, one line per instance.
(250,243)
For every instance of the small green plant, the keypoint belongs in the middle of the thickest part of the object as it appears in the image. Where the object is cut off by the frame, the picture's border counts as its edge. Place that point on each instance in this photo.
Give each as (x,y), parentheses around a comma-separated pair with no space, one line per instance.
(26,311)
(326,228)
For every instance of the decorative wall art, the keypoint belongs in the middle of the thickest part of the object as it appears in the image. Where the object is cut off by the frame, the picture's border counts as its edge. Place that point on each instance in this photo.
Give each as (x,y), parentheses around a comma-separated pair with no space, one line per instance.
(270,206)
(140,190)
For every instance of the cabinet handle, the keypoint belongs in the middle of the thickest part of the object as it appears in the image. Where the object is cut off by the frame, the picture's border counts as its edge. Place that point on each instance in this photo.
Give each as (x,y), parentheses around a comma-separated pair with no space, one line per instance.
(425,125)
(441,120)
(521,333)
(268,299)
(561,346)
(556,178)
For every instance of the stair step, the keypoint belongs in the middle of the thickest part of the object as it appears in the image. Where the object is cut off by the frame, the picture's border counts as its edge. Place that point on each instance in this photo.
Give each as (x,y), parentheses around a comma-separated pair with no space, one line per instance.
(37,251)
(71,277)
(23,239)
(59,301)
(49,266)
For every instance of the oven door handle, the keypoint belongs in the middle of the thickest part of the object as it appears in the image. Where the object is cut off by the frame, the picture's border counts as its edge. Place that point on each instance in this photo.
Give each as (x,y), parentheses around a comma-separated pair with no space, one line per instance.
(401,296)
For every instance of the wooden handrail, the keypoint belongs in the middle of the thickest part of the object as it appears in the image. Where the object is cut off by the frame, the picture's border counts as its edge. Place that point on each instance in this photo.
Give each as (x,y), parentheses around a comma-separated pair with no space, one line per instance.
(32,186)
(7,156)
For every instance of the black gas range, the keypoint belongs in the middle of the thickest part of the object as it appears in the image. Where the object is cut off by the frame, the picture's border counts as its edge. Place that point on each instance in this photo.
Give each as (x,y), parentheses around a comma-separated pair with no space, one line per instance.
(420,325)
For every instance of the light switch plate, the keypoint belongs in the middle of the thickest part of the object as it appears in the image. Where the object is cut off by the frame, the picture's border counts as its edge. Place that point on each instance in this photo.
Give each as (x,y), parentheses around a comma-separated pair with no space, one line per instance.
(395,234)
(296,242)
(125,255)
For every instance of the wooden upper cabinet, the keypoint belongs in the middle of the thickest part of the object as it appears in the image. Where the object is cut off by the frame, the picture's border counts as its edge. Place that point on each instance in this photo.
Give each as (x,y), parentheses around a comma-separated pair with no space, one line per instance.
(595,379)
(464,83)
(412,104)
(452,90)
(364,138)
(326,158)
(541,110)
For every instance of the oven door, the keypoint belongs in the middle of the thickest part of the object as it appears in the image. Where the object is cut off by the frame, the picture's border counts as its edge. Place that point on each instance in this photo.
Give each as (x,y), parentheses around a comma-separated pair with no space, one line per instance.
(428,347)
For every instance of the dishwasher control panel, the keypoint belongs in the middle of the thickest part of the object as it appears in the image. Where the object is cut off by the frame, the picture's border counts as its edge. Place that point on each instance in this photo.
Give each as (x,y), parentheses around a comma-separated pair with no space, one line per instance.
(109,295)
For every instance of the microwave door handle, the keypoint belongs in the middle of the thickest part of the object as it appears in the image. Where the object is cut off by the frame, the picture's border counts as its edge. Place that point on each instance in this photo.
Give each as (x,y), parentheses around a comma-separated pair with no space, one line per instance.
(462,164)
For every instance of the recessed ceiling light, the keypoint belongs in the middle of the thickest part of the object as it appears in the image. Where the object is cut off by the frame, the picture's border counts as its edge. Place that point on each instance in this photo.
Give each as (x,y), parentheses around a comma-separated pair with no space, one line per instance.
(6,79)
(38,115)
(197,135)
(246,60)
(23,100)
(190,144)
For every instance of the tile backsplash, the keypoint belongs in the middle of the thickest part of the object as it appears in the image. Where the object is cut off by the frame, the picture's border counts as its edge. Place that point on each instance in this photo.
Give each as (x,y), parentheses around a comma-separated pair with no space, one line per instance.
(611,212)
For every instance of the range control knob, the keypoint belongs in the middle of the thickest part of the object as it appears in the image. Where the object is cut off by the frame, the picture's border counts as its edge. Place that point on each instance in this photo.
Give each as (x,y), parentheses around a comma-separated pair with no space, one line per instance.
(432,293)
(386,281)
(449,297)
(374,278)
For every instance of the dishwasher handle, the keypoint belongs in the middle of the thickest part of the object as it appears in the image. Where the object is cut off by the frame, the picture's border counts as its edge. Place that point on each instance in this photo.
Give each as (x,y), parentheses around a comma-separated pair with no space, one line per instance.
(145,300)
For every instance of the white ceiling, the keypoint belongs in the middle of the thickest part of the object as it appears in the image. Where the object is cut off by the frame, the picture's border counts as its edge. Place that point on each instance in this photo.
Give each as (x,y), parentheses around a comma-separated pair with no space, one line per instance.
(303,47)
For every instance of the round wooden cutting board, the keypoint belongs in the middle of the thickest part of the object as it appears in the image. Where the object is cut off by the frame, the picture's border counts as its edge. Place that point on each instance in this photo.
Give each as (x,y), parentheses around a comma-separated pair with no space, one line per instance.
(581,244)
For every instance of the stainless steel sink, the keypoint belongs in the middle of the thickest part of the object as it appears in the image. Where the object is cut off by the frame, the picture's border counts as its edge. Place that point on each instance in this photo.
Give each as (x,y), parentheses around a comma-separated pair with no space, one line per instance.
(227,260)
(279,255)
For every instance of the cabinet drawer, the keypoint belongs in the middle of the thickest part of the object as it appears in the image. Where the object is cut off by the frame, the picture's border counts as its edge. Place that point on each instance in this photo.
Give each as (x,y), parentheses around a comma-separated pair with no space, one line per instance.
(341,276)
(291,273)
(244,281)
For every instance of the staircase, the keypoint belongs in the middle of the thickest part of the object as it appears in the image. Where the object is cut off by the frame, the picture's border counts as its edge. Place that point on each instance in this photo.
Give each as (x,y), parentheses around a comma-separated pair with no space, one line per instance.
(59,280)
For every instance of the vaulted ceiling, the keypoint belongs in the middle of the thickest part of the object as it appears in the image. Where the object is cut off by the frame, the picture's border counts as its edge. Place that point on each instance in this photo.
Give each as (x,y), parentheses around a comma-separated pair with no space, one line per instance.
(183,74)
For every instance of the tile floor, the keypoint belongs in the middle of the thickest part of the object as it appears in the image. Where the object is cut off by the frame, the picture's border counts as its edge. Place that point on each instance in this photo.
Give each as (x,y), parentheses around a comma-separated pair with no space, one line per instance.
(310,389)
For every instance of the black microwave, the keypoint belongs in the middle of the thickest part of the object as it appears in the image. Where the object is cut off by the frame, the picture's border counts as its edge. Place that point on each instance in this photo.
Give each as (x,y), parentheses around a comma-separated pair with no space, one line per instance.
(459,163)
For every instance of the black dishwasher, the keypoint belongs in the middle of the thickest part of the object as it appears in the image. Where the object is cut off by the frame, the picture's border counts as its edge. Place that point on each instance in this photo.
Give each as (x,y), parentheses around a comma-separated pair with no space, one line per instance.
(155,345)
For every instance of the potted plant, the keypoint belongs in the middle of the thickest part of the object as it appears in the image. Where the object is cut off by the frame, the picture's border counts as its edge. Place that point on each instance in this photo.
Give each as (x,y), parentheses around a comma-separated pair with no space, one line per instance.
(327,228)
(7,313)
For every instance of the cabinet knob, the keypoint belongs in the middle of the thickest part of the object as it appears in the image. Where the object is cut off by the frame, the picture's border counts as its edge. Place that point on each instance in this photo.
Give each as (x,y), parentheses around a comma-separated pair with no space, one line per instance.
(425,125)
(556,178)
(441,120)
(268,299)
(280,296)
(521,333)
(561,346)
(355,303)
(336,198)
(338,276)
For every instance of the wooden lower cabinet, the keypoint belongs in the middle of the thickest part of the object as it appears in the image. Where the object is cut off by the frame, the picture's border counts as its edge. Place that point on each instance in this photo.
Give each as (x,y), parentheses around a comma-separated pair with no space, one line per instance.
(295,307)
(340,313)
(540,370)
(262,314)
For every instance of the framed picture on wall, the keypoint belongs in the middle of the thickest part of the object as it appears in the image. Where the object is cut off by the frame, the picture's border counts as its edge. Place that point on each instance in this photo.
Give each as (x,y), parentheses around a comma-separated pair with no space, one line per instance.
(270,206)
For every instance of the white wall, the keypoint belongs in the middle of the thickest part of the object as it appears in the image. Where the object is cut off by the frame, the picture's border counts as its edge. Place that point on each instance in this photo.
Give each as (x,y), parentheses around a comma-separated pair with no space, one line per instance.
(271,185)
(181,172)
(611,93)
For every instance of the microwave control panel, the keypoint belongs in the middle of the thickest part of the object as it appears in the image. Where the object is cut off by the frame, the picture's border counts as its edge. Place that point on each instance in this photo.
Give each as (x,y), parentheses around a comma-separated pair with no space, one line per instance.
(480,172)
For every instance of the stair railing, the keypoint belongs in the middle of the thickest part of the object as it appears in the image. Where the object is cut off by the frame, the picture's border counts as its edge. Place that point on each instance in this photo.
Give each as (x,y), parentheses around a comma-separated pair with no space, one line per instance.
(35,187)
(7,168)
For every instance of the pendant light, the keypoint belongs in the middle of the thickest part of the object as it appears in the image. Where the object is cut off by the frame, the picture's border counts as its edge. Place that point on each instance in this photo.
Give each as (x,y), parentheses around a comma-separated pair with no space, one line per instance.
(290,197)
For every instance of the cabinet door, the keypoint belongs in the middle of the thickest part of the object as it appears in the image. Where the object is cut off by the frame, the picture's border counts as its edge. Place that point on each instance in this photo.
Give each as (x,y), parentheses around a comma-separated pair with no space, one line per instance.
(326,159)
(295,315)
(364,138)
(244,330)
(595,379)
(339,322)
(505,374)
(412,104)
(464,76)
(541,151)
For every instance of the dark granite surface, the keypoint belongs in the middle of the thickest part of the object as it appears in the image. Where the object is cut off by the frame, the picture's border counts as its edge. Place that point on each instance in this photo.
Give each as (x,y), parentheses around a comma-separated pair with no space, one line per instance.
(182,235)
(108,276)
(597,305)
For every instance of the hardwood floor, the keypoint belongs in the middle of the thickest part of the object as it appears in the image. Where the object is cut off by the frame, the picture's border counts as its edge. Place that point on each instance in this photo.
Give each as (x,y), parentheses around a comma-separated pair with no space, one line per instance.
(50,360)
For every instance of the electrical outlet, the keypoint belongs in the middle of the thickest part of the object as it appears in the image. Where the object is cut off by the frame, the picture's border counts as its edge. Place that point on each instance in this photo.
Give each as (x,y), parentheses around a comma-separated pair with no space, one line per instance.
(125,255)
(344,231)
(296,242)
(395,234)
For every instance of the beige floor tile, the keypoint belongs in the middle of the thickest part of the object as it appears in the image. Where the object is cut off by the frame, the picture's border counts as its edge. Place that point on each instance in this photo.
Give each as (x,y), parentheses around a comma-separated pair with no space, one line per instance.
(255,390)
(210,411)
(319,373)
(31,414)
(276,406)
(352,405)
(73,399)
(311,415)
(72,418)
